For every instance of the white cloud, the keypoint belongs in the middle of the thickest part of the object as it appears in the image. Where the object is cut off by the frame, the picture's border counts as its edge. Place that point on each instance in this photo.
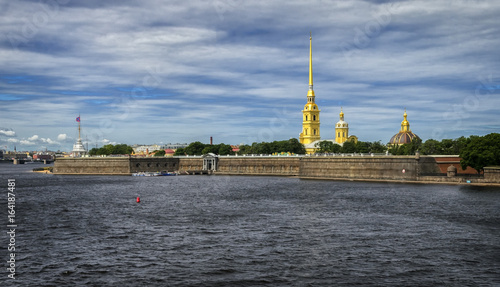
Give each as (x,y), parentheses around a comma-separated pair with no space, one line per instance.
(26,142)
(6,132)
(33,138)
(62,137)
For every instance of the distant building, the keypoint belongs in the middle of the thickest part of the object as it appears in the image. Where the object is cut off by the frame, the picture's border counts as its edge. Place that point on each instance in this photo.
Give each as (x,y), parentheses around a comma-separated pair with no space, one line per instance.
(146,149)
(41,156)
(169,152)
(1,154)
(405,135)
(175,146)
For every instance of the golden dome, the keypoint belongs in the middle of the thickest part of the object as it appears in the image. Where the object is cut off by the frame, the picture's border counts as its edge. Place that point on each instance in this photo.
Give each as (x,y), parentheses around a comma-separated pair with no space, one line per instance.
(405,135)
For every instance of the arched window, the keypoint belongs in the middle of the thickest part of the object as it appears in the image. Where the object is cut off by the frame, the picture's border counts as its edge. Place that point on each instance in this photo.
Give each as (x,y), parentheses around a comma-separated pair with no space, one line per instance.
(306,118)
(314,117)
(314,131)
(338,134)
(306,132)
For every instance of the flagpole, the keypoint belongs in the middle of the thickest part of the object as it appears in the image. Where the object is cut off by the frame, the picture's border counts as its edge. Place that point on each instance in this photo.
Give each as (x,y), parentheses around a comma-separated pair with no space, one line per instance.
(79,126)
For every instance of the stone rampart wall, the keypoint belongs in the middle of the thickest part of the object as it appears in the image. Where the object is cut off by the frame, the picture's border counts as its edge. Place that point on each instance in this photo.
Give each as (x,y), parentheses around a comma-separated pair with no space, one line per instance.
(154,164)
(259,165)
(190,163)
(391,168)
(119,165)
(492,174)
(403,168)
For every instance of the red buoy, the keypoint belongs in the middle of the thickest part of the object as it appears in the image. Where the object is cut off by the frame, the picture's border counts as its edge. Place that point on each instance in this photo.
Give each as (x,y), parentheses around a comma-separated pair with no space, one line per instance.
(138,199)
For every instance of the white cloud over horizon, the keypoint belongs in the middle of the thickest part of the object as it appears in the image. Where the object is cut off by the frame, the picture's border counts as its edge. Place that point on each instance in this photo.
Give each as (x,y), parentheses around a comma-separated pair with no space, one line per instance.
(163,71)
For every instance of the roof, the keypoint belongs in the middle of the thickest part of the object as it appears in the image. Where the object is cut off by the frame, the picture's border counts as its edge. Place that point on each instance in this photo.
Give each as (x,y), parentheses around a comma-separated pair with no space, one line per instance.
(403,137)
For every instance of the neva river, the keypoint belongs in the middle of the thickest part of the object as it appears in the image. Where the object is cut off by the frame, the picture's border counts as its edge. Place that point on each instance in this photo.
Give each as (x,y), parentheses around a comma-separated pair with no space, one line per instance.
(247,231)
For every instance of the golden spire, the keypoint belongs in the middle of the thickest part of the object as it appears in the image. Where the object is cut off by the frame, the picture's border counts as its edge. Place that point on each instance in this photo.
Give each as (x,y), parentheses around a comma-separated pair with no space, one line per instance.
(405,125)
(310,63)
(341,114)
(310,93)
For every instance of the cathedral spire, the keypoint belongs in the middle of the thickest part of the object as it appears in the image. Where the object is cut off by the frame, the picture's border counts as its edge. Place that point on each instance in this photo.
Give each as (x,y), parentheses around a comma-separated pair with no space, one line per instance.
(310,93)
(310,63)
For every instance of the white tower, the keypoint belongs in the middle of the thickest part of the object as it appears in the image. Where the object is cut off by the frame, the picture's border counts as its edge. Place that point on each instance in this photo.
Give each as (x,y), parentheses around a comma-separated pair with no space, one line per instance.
(78,148)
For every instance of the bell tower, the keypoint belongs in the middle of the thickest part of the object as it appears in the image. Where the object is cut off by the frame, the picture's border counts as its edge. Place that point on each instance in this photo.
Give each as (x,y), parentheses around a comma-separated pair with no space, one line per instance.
(310,114)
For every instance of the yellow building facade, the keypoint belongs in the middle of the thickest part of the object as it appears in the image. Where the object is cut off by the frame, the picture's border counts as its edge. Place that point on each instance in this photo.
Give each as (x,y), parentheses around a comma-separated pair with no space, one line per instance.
(310,114)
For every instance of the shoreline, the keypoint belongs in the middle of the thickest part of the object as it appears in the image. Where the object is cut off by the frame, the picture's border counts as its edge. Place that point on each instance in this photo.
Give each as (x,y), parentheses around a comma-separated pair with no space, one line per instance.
(311,178)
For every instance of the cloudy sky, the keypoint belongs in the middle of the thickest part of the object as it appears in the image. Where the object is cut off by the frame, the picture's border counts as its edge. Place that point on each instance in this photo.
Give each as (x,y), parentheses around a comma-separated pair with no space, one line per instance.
(181,71)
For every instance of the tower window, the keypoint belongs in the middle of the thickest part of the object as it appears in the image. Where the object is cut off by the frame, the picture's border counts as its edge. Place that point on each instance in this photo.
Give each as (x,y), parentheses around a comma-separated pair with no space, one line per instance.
(306,132)
(314,132)
(343,134)
(314,117)
(338,134)
(306,118)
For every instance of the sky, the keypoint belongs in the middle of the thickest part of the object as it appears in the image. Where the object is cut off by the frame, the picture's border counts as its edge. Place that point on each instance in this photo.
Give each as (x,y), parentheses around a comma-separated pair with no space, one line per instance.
(158,72)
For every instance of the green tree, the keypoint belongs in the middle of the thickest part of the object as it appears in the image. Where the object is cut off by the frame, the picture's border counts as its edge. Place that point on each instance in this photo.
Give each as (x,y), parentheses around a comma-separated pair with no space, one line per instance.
(225,149)
(481,151)
(179,151)
(431,146)
(348,147)
(160,152)
(362,147)
(295,146)
(194,148)
(112,149)
(377,147)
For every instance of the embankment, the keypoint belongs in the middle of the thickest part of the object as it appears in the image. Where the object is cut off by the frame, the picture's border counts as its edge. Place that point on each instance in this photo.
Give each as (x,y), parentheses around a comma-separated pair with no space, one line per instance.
(346,167)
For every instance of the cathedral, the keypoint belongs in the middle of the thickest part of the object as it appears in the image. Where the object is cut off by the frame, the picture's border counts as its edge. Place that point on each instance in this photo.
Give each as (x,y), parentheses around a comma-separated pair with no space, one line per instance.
(310,135)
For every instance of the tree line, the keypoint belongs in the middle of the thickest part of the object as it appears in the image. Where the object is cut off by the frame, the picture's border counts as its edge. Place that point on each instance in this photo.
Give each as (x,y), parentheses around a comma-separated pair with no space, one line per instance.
(289,146)
(351,147)
(112,149)
(199,148)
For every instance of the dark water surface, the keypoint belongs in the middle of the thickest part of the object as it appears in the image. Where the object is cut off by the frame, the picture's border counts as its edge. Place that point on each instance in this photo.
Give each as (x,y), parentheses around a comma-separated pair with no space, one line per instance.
(247,231)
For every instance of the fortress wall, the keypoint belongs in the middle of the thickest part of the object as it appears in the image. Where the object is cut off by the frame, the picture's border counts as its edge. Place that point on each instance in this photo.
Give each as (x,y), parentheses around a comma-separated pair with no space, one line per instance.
(154,164)
(492,174)
(423,169)
(259,165)
(378,167)
(190,163)
(101,165)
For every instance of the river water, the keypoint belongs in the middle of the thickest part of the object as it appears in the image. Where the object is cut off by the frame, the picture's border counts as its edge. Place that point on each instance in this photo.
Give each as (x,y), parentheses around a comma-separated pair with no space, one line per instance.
(246,231)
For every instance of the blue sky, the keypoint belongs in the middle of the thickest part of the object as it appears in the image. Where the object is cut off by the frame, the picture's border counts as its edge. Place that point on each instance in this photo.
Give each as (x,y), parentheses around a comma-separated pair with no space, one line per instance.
(180,71)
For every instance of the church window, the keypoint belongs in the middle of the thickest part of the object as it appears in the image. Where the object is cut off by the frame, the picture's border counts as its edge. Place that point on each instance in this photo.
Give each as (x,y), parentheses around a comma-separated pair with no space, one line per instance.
(338,134)
(343,134)
(306,132)
(314,117)
(314,132)
(306,118)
